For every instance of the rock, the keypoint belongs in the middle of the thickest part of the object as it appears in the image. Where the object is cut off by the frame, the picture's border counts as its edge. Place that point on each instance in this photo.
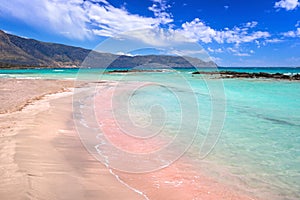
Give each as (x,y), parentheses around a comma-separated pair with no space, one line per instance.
(296,77)
(233,74)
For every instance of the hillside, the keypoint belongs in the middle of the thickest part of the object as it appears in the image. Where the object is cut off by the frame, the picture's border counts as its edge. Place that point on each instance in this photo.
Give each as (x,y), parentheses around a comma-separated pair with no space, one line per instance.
(16,52)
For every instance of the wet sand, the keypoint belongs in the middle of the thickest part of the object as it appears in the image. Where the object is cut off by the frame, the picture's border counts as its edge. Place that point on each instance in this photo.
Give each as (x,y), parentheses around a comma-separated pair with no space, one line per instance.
(180,180)
(41,156)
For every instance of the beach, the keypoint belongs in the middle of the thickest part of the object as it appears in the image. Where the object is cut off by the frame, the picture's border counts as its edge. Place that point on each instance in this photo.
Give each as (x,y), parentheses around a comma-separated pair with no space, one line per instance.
(43,154)
(149,100)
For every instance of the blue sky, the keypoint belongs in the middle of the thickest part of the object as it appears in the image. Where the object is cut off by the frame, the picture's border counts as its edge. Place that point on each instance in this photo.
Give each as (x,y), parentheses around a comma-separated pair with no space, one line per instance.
(233,32)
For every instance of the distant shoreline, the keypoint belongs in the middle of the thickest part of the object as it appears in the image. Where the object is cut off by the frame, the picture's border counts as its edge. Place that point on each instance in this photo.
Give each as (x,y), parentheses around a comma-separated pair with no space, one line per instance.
(255,73)
(7,66)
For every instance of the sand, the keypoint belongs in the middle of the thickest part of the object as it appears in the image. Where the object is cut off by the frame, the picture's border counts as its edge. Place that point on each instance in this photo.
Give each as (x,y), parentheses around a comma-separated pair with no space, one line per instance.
(17,93)
(180,180)
(41,156)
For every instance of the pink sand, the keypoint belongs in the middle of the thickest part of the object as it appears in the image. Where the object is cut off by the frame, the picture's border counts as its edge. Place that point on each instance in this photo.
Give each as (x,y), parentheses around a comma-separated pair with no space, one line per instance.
(180,180)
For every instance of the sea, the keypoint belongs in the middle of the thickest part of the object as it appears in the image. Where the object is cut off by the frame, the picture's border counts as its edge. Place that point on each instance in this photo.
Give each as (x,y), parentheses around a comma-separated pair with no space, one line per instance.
(244,133)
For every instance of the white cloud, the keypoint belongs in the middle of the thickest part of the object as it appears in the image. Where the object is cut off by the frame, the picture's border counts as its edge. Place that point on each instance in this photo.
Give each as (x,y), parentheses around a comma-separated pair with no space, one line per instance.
(74,18)
(242,54)
(215,59)
(210,49)
(236,52)
(185,52)
(81,19)
(124,54)
(199,31)
(219,50)
(292,33)
(257,43)
(159,8)
(287,4)
(8,32)
(274,40)
(251,24)
(65,17)
(109,21)
(156,36)
(232,50)
(226,7)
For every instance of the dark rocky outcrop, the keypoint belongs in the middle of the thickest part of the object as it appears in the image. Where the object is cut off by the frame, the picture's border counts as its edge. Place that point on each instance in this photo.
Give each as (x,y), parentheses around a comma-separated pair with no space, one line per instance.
(133,71)
(233,74)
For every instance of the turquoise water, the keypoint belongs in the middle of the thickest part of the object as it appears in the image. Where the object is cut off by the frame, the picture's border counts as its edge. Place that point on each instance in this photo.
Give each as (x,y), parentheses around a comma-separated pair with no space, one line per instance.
(260,142)
(92,73)
(258,150)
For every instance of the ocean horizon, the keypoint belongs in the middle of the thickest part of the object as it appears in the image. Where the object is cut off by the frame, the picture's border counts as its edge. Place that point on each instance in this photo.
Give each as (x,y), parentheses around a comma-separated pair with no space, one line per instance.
(72,72)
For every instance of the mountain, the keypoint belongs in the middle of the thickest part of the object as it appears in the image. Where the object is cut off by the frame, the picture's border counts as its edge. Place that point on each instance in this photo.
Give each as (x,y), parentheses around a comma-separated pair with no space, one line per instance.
(18,52)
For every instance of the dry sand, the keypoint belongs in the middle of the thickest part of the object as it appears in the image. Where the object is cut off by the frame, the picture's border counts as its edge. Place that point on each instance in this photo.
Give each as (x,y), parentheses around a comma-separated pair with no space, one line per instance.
(41,156)
(17,93)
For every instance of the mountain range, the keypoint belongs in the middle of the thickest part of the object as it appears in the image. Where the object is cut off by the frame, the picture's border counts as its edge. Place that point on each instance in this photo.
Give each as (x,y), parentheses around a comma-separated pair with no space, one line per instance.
(19,52)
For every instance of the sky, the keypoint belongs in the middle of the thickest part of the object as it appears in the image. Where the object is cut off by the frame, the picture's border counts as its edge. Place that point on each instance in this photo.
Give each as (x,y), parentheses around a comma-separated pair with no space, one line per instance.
(235,33)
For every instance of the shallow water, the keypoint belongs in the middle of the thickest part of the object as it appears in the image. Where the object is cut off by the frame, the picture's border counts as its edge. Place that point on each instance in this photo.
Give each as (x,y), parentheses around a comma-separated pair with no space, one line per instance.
(258,149)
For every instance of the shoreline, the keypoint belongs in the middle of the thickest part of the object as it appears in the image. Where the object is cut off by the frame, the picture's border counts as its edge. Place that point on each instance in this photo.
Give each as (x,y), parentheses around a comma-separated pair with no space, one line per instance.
(179,180)
(41,153)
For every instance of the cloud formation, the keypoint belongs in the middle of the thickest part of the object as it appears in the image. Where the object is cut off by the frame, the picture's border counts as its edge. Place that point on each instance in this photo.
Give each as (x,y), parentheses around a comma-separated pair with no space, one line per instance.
(81,19)
(77,19)
(159,8)
(108,21)
(199,31)
(287,4)
(65,17)
(293,34)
